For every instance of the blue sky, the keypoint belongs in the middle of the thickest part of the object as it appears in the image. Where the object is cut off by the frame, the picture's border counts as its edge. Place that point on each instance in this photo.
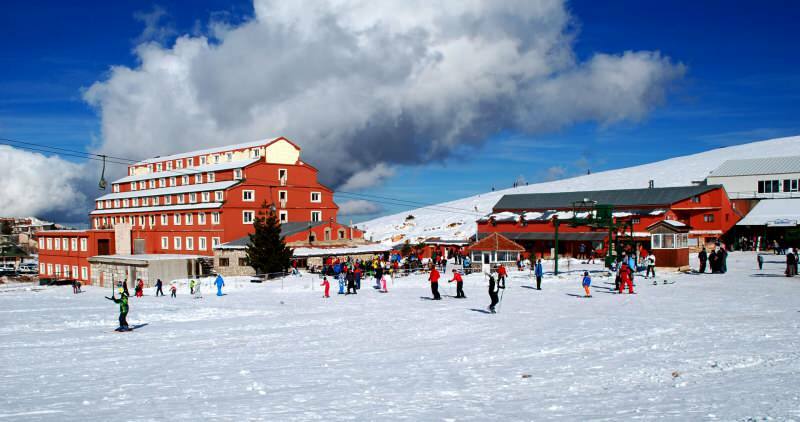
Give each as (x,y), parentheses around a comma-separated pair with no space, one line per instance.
(741,85)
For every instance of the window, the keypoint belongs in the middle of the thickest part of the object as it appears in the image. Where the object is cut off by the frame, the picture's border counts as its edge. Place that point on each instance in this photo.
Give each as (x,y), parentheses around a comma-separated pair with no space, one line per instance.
(206,196)
(214,218)
(41,243)
(776,186)
(135,202)
(169,165)
(187,218)
(201,243)
(229,156)
(141,221)
(224,262)
(214,242)
(248,195)
(316,215)
(282,174)
(312,237)
(164,219)
(145,201)
(152,219)
(696,199)
(247,217)
(189,243)
(216,159)
(189,161)
(708,218)
(316,197)
(75,271)
(126,203)
(57,244)
(192,198)
(116,203)
(180,198)
(210,177)
(42,269)
(635,220)
(164,242)
(159,167)
(49,268)
(237,174)
(282,195)
(99,205)
(176,219)
(84,244)
(155,200)
(133,185)
(327,234)
(84,273)
(256,153)
(341,234)
(242,262)
(115,187)
(162,182)
(149,168)
(65,243)
(168,200)
(218,196)
(73,244)
(173,181)
(787,185)
(142,185)
(185,180)
(152,183)
(283,216)
(198,178)
(178,164)
(176,243)
(793,187)
(201,218)
(66,270)
(203,161)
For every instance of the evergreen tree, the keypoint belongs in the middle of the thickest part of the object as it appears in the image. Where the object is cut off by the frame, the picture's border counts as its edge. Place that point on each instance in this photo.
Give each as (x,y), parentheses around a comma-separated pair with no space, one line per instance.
(266,251)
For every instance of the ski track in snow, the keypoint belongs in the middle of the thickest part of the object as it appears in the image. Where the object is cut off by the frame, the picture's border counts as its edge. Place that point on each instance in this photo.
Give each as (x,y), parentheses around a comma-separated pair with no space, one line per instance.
(712,347)
(457,219)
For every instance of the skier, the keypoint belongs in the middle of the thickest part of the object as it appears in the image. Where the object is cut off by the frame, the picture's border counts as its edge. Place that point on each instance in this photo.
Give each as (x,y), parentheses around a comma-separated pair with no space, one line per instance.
(357,276)
(191,287)
(625,278)
(351,283)
(582,251)
(385,282)
(493,289)
(651,265)
(125,287)
(434,279)
(501,276)
(220,283)
(173,290)
(139,288)
(538,272)
(327,286)
(74,287)
(158,287)
(197,293)
(587,281)
(722,256)
(703,257)
(123,309)
(459,285)
(340,276)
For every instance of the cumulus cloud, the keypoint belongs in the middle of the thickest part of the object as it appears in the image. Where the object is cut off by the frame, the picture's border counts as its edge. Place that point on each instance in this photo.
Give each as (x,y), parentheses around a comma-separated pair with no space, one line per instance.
(555,173)
(362,84)
(367,178)
(37,185)
(359,207)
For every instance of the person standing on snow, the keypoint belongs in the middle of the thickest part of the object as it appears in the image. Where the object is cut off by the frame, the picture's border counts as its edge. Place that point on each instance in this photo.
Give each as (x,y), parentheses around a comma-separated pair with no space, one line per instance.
(538,272)
(158,287)
(351,283)
(139,288)
(651,265)
(459,285)
(493,290)
(197,293)
(191,287)
(219,282)
(703,257)
(327,286)
(587,281)
(625,278)
(340,277)
(501,276)
(173,290)
(123,309)
(434,279)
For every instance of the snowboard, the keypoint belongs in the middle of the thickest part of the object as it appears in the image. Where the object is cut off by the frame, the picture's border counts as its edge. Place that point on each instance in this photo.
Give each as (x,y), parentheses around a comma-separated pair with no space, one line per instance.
(130,328)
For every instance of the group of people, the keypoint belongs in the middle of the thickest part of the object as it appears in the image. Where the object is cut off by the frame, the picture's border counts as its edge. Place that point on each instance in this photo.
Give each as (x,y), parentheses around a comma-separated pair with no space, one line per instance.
(717,259)
(792,259)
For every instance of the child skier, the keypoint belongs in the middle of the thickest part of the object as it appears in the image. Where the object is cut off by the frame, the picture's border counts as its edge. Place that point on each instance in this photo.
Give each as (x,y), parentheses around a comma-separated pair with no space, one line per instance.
(493,289)
(159,284)
(385,282)
(501,276)
(139,288)
(538,272)
(219,282)
(174,290)
(191,287)
(123,309)
(340,276)
(587,281)
(459,285)
(625,278)
(327,286)
(197,293)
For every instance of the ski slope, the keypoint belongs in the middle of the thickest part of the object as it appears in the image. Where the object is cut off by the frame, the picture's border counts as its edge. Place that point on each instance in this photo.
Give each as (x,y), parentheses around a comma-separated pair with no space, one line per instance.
(457,219)
(710,347)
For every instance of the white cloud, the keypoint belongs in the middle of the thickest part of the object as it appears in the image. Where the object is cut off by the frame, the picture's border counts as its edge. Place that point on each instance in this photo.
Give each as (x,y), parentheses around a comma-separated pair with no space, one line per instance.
(36,185)
(367,178)
(359,207)
(360,83)
(555,173)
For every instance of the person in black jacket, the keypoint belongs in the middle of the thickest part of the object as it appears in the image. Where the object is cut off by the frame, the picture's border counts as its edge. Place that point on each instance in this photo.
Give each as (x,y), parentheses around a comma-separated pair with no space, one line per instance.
(791,262)
(351,283)
(493,289)
(703,257)
(158,287)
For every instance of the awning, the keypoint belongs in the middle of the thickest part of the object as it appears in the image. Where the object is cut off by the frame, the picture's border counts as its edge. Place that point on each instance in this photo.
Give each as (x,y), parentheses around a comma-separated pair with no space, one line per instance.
(773,213)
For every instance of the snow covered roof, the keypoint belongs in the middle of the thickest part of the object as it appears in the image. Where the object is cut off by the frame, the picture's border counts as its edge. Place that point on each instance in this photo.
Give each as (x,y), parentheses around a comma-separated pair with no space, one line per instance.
(354,250)
(616,197)
(199,206)
(208,151)
(773,212)
(755,166)
(188,171)
(195,187)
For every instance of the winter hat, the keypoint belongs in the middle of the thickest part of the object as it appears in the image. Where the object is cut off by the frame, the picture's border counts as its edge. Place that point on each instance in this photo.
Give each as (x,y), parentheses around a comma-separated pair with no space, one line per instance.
(586,273)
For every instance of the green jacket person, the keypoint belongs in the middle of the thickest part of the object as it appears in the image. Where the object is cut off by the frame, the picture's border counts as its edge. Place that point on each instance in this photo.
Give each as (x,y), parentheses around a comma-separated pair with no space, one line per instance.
(123,309)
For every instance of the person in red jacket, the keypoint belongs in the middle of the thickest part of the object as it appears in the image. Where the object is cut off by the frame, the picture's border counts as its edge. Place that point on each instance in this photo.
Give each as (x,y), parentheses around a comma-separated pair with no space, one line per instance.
(327,286)
(459,285)
(434,279)
(501,276)
(625,278)
(139,288)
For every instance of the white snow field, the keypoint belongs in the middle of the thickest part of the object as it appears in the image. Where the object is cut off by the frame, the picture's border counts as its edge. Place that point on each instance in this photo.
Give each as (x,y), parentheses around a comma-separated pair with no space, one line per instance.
(708,347)
(456,219)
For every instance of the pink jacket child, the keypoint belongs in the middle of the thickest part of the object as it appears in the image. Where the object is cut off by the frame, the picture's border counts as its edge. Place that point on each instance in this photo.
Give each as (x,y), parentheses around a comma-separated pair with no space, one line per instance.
(327,285)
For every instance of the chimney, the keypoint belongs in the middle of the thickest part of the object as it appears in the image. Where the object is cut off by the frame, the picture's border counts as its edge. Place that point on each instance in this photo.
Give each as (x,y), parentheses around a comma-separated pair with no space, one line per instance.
(651,184)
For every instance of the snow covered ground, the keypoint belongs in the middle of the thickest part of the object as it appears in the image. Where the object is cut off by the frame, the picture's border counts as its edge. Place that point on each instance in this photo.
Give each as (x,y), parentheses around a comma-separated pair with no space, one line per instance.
(711,347)
(456,219)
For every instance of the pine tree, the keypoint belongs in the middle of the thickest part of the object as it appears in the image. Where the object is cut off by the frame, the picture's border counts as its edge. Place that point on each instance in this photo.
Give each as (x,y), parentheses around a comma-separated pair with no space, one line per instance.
(266,251)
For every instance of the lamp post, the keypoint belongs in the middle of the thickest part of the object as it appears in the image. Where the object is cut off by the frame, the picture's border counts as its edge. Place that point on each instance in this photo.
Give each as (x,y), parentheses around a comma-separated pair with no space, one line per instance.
(555,249)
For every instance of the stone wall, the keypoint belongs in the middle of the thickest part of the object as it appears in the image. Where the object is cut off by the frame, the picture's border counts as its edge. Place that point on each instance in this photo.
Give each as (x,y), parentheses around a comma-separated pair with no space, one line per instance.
(233,268)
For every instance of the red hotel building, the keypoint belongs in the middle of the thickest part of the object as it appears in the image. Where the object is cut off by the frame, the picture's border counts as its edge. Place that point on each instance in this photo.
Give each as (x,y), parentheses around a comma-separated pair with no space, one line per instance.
(528,218)
(186,204)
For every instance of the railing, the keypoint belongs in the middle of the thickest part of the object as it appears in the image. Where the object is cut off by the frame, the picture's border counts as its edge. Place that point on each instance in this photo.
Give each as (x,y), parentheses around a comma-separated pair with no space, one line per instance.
(763,195)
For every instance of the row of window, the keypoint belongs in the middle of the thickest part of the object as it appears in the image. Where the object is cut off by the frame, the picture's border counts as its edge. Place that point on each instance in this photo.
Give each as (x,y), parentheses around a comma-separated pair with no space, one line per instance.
(774,186)
(180,199)
(65,271)
(187,243)
(177,219)
(185,180)
(202,160)
(64,244)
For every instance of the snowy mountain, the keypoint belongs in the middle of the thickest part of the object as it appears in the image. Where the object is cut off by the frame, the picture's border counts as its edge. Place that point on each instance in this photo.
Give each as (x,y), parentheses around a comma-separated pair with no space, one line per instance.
(456,219)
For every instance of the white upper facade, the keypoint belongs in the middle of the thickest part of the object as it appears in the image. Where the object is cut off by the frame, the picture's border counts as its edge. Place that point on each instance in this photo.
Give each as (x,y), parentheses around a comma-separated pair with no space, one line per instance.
(759,178)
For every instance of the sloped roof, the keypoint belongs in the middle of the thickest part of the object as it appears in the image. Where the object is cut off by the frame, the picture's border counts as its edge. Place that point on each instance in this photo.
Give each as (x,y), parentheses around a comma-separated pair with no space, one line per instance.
(755,166)
(773,211)
(616,198)
(496,242)
(287,229)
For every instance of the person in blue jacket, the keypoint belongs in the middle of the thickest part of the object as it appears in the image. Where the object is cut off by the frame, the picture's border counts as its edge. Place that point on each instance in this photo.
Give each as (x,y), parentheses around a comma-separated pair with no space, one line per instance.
(538,271)
(340,276)
(587,281)
(219,282)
